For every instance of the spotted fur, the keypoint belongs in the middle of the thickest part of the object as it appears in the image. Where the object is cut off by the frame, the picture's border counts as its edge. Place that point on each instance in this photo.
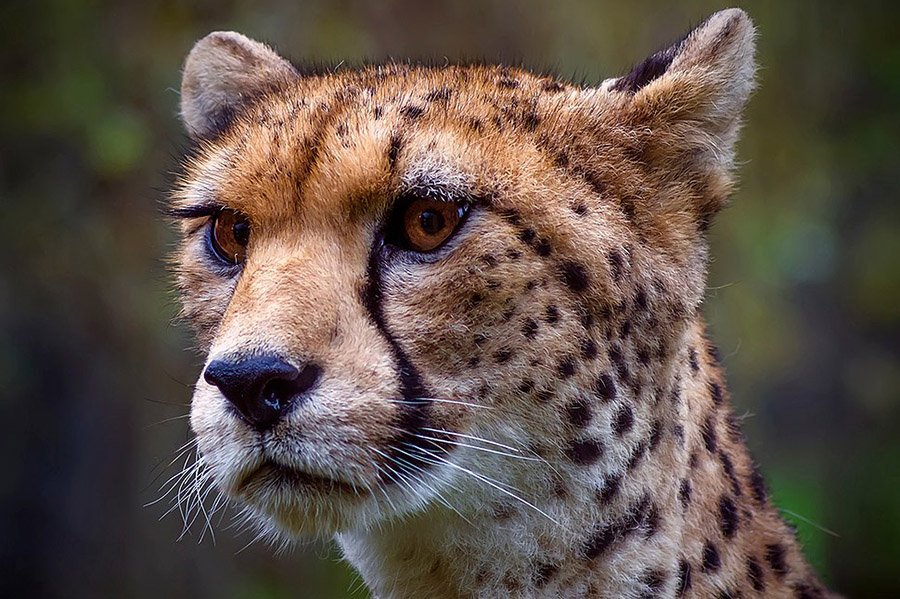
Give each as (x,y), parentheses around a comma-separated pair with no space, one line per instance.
(533,409)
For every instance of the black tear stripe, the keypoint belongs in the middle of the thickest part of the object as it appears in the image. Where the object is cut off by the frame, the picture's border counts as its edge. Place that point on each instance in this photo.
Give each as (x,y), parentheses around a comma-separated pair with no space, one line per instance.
(409,453)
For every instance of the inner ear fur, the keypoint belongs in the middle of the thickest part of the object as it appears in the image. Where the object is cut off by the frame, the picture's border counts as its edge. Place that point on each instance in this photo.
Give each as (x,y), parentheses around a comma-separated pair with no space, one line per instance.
(222,73)
(685,104)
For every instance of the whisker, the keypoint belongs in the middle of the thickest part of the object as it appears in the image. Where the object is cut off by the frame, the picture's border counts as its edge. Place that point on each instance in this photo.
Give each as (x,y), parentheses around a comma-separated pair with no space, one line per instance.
(484,449)
(487,480)
(419,400)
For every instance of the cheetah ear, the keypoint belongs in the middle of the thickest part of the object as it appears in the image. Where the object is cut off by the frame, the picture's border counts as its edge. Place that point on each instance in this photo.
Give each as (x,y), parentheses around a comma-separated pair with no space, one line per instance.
(222,73)
(698,86)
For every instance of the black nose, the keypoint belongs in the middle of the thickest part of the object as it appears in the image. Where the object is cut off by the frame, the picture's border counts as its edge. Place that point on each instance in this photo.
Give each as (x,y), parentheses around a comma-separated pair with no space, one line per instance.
(261,388)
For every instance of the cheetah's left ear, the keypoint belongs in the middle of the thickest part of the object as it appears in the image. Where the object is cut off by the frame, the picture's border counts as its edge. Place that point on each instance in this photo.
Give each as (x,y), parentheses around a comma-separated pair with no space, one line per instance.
(224,72)
(697,88)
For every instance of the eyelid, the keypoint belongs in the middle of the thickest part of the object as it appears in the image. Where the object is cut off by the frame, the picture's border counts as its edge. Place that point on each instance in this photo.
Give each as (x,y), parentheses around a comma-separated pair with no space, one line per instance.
(195,211)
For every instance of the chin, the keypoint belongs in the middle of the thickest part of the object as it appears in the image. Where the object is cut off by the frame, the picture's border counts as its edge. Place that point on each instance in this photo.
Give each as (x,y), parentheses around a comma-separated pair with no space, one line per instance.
(293,505)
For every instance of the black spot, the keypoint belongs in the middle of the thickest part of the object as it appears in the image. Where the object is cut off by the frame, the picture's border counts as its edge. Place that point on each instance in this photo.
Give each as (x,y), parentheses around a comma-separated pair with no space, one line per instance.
(394,148)
(593,180)
(640,300)
(709,434)
(553,87)
(616,263)
(637,455)
(441,94)
(684,492)
(527,235)
(807,590)
(508,82)
(600,541)
(580,209)
(755,574)
(544,396)
(655,434)
(561,160)
(566,367)
(377,112)
(610,488)
(588,349)
(412,112)
(623,421)
(529,328)
(544,573)
(530,120)
(543,248)
(711,560)
(491,261)
(692,359)
(715,391)
(728,467)
(575,276)
(579,412)
(678,431)
(625,329)
(684,578)
(527,386)
(643,356)
(501,356)
(493,284)
(728,516)
(585,451)
(476,125)
(512,217)
(605,388)
(758,485)
(615,355)
(474,361)
(776,558)
(552,314)
(693,460)
(513,254)
(586,318)
(479,339)
(531,285)
(733,425)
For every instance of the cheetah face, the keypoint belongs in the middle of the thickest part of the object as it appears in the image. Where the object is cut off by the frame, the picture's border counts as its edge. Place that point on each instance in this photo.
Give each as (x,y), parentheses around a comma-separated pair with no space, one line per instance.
(401,276)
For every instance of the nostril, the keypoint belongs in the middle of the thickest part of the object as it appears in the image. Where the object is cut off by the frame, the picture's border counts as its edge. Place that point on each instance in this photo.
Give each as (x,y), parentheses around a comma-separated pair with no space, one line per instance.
(307,378)
(280,393)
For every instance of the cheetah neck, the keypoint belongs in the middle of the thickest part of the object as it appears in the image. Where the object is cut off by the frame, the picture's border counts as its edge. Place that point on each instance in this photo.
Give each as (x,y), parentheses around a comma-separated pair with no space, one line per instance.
(666,503)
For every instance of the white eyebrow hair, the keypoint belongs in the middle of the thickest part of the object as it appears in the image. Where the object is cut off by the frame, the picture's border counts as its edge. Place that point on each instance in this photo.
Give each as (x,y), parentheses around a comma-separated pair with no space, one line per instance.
(203,186)
(436,178)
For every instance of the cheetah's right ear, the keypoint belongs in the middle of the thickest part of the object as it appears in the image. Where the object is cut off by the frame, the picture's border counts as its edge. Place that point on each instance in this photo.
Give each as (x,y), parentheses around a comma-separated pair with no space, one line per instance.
(222,73)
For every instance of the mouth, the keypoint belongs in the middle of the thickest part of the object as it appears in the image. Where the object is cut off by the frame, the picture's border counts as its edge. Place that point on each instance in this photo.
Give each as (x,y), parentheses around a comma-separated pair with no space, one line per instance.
(270,476)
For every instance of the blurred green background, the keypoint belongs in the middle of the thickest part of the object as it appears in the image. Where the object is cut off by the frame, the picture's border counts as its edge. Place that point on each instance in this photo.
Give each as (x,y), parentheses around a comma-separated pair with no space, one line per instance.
(95,375)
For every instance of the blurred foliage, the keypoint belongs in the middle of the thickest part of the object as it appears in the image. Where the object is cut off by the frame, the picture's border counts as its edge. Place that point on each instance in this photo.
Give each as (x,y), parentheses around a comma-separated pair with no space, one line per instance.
(804,294)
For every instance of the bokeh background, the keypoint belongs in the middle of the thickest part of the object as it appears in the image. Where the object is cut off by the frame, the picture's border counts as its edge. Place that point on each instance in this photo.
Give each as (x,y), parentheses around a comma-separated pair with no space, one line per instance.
(96,373)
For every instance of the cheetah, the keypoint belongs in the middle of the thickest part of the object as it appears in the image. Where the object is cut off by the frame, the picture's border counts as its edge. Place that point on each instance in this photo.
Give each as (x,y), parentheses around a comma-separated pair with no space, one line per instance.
(452,318)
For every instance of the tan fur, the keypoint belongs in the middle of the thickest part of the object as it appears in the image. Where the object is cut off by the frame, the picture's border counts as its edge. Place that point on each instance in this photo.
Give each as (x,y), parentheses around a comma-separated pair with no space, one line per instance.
(590,448)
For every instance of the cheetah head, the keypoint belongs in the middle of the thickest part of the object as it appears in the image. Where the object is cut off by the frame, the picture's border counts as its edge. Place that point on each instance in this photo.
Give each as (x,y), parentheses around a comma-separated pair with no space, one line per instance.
(406,279)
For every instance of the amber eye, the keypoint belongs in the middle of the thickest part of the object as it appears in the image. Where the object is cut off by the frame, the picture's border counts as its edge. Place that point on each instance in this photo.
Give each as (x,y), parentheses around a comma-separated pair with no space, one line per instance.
(425,224)
(230,234)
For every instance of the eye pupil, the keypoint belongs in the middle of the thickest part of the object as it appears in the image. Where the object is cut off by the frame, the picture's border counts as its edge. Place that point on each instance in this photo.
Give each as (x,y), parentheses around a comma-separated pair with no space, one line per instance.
(431,222)
(241,232)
